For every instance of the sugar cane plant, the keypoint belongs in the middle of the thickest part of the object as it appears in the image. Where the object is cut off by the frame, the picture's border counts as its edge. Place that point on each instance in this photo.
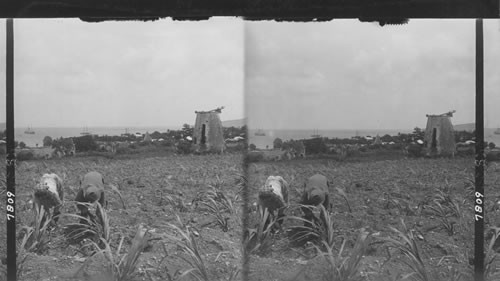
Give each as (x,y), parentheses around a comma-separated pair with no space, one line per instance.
(184,238)
(98,230)
(257,240)
(342,265)
(406,244)
(119,266)
(321,230)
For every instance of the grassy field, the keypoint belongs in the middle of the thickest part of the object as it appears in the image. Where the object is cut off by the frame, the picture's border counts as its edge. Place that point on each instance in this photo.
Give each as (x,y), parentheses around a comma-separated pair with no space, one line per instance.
(155,191)
(429,202)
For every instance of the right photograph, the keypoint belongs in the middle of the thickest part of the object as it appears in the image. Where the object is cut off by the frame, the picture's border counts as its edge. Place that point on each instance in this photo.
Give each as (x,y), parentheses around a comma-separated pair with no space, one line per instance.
(362,146)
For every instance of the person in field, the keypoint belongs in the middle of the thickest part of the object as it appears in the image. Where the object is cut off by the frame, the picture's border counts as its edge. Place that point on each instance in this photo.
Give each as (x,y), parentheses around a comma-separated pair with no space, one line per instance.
(91,191)
(49,194)
(315,194)
(273,196)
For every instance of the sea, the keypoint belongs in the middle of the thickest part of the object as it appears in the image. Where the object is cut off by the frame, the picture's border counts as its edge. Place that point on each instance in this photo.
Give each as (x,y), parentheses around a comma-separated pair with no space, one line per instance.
(36,139)
(270,135)
(32,140)
(490,136)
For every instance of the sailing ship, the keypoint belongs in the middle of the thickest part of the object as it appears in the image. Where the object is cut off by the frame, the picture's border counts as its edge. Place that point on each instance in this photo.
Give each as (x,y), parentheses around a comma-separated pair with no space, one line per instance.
(260,133)
(29,131)
(316,134)
(85,132)
(126,134)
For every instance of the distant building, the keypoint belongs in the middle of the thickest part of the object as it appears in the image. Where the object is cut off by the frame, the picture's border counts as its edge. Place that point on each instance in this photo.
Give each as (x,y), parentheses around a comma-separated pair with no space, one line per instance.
(439,135)
(208,134)
(147,137)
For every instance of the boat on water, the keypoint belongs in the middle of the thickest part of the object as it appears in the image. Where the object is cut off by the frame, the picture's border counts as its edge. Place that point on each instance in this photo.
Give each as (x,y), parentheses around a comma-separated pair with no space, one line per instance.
(85,132)
(29,131)
(260,133)
(497,131)
(316,134)
(126,134)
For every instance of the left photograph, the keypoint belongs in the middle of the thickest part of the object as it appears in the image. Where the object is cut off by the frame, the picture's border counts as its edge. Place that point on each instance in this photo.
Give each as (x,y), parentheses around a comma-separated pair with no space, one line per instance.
(129,144)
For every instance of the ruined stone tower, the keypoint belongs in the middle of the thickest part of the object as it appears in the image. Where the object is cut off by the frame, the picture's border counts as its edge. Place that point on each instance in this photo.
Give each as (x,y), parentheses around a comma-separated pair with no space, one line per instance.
(208,133)
(439,135)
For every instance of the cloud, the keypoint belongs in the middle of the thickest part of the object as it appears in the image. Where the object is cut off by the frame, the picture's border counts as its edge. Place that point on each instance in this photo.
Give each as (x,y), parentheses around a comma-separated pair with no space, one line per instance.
(71,73)
(347,74)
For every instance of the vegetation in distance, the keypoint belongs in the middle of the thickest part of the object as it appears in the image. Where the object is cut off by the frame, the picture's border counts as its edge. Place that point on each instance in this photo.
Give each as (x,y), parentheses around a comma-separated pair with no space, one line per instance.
(169,142)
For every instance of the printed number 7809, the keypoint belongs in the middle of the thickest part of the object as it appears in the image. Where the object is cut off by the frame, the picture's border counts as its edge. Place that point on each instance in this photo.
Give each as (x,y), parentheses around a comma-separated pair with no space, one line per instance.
(10,205)
(478,209)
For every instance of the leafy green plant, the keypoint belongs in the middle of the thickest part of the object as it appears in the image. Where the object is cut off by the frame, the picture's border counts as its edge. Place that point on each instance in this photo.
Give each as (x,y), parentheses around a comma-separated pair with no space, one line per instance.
(22,253)
(470,187)
(218,183)
(37,235)
(441,196)
(241,182)
(216,203)
(120,267)
(221,198)
(97,229)
(492,268)
(401,204)
(344,195)
(406,243)
(455,275)
(343,266)
(213,208)
(115,189)
(455,210)
(258,239)
(176,202)
(233,274)
(443,214)
(448,225)
(444,207)
(216,194)
(161,270)
(391,201)
(188,245)
(35,238)
(321,230)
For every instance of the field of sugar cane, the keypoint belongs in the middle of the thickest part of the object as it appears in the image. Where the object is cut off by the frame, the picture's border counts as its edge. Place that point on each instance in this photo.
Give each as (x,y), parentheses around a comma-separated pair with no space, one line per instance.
(167,218)
(405,219)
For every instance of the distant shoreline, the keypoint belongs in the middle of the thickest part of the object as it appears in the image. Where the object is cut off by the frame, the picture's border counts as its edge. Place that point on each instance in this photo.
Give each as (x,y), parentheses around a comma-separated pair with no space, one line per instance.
(101,127)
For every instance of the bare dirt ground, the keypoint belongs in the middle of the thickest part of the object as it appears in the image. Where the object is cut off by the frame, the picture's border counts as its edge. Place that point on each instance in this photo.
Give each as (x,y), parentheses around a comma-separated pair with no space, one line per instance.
(154,190)
(380,194)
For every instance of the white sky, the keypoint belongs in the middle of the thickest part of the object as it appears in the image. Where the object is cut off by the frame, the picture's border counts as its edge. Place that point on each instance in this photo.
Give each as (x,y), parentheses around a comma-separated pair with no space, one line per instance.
(346,74)
(70,73)
(342,74)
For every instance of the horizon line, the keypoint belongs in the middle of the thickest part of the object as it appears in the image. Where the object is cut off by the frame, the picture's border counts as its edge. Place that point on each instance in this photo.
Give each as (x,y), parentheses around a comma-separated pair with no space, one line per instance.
(330,129)
(100,126)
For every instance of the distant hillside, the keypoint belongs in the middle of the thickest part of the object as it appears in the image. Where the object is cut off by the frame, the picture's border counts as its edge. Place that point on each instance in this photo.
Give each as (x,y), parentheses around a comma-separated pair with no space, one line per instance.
(234,123)
(469,127)
(3,126)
